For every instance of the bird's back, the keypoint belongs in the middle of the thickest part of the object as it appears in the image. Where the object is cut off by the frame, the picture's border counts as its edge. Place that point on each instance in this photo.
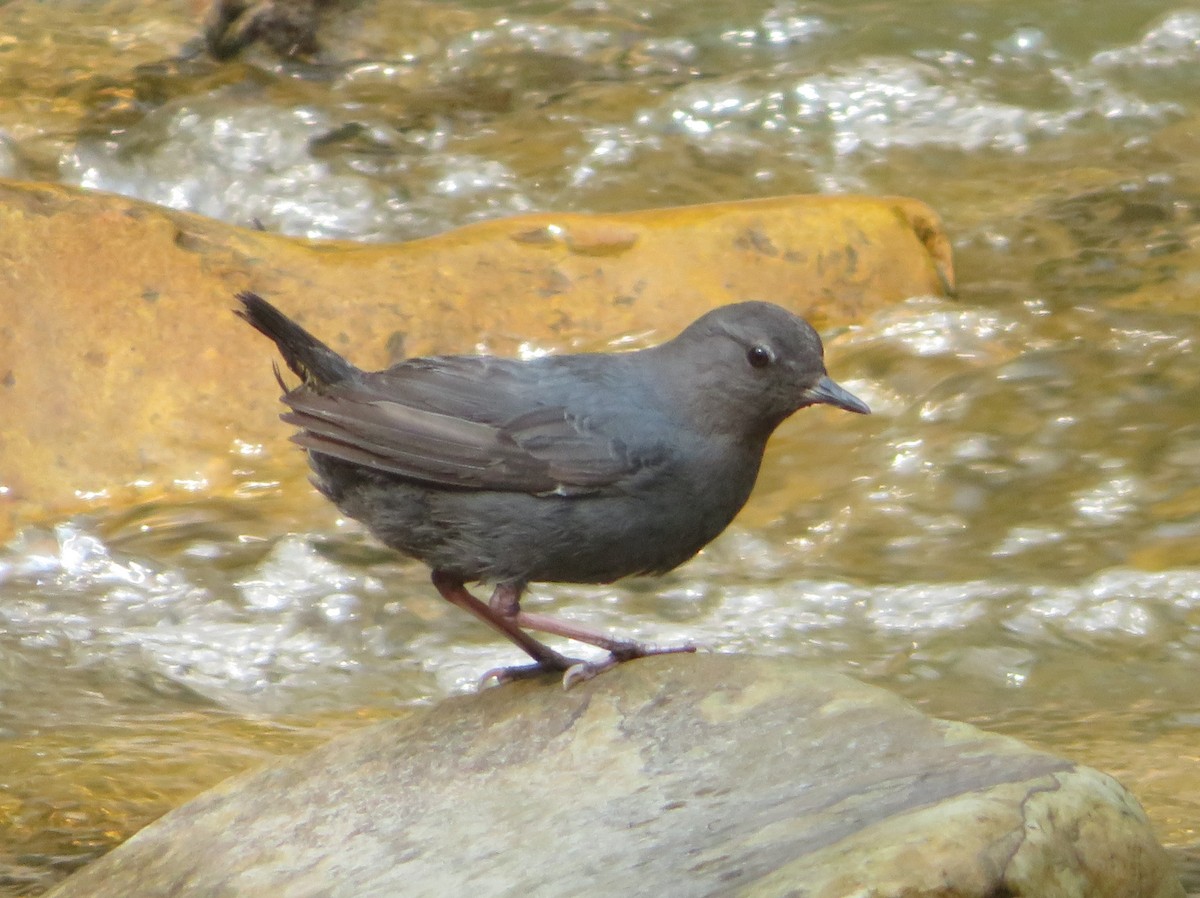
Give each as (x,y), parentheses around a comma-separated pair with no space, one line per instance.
(588,476)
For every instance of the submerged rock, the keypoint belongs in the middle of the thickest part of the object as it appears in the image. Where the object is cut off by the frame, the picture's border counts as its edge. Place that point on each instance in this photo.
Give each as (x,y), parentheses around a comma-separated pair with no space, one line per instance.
(679,776)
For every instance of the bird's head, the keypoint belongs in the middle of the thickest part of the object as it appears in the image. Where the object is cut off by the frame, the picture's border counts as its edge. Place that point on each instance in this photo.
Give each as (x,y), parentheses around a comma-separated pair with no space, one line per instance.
(744,368)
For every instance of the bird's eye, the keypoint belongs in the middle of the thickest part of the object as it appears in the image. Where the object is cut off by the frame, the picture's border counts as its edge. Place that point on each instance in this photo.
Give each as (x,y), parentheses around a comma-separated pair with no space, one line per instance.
(760,356)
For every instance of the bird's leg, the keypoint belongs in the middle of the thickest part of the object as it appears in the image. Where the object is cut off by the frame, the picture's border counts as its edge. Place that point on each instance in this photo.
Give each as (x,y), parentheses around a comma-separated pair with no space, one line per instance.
(622,649)
(619,650)
(506,601)
(503,613)
(453,591)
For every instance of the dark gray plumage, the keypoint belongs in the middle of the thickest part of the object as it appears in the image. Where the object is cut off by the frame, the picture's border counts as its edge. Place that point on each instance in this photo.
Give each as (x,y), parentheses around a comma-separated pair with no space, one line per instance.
(574,468)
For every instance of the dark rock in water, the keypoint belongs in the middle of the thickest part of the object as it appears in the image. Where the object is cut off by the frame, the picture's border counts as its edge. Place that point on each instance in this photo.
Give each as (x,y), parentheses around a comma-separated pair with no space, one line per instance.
(288,27)
(679,776)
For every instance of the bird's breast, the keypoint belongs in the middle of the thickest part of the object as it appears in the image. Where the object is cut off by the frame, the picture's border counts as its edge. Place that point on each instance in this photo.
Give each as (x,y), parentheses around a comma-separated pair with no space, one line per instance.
(653,524)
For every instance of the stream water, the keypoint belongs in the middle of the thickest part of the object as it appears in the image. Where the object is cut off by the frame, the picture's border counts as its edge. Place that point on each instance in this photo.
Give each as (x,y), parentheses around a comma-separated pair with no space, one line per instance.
(1012,539)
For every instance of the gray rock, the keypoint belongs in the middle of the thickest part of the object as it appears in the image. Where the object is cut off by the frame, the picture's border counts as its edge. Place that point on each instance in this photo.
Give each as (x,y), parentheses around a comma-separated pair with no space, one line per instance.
(675,776)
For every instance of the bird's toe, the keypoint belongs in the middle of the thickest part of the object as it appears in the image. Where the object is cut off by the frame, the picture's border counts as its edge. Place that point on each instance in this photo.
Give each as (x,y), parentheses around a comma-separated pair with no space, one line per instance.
(502,675)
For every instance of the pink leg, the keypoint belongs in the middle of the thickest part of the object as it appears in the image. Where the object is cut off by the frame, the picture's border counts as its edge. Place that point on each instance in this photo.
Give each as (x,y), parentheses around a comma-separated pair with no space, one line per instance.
(453,591)
(503,613)
(506,601)
(619,650)
(622,649)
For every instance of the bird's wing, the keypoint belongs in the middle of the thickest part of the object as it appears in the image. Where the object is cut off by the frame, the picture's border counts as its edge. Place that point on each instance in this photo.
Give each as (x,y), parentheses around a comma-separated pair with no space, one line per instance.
(462,422)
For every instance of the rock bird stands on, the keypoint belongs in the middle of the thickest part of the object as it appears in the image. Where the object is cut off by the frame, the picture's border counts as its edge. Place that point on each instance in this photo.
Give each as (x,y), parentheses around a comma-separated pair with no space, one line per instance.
(571,468)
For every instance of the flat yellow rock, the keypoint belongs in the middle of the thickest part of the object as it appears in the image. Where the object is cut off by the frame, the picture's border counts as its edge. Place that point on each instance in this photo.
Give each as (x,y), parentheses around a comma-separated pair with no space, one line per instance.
(123,373)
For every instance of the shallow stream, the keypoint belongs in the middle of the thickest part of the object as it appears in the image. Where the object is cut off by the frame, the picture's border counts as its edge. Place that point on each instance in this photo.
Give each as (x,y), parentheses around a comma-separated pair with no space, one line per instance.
(1012,539)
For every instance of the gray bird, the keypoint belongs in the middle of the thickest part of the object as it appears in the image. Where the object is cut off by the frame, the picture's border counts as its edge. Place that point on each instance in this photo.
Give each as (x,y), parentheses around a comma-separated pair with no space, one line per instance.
(577,468)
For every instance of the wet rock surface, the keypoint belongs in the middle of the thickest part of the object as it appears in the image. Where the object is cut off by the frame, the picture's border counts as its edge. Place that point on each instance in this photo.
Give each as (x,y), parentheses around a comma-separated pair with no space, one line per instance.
(705,775)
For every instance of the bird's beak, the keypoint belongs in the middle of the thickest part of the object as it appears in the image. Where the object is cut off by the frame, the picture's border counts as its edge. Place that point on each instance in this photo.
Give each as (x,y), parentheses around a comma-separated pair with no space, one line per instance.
(826,392)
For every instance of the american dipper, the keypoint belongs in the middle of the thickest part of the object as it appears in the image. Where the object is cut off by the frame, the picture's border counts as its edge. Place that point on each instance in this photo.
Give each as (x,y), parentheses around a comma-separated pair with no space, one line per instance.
(577,468)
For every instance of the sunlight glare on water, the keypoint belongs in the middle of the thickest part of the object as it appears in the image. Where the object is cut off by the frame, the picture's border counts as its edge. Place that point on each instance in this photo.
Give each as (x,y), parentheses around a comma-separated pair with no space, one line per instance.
(1011,538)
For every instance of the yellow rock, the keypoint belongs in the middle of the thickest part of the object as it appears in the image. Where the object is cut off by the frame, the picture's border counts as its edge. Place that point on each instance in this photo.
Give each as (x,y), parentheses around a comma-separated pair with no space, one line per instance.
(123,375)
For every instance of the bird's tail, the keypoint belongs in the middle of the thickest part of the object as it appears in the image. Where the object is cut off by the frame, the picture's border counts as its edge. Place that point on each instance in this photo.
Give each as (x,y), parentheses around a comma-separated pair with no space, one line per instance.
(314,362)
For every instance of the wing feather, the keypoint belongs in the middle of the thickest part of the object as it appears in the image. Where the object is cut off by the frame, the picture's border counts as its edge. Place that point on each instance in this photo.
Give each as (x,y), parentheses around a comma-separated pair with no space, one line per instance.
(462,422)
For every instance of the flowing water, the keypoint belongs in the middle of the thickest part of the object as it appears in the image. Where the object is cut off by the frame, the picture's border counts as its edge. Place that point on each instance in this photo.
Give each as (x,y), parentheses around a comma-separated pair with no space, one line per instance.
(1012,539)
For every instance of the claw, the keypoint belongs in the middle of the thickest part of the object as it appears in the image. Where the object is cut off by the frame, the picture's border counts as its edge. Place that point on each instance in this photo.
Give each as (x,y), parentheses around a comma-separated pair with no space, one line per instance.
(585,670)
(504,675)
(582,671)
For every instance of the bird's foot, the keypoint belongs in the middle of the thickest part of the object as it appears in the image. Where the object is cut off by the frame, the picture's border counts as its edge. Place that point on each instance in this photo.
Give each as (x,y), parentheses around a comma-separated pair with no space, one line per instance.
(502,675)
(622,651)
